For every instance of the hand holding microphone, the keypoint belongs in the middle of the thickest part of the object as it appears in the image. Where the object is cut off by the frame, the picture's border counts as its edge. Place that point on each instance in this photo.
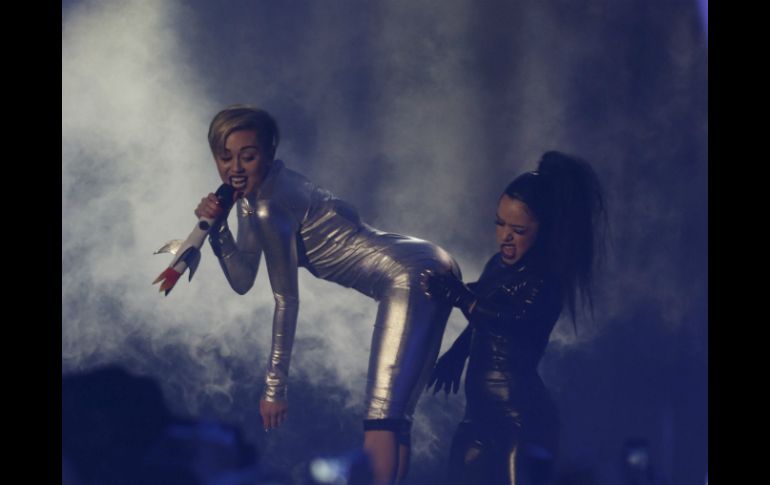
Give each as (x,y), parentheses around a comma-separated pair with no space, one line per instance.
(210,207)
(187,252)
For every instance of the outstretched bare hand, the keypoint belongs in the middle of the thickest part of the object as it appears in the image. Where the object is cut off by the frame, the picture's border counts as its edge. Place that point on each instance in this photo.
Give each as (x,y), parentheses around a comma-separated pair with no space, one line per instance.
(273,413)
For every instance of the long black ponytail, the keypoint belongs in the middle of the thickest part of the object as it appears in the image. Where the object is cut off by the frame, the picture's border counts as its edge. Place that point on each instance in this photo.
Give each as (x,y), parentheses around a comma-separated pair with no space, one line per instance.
(566,198)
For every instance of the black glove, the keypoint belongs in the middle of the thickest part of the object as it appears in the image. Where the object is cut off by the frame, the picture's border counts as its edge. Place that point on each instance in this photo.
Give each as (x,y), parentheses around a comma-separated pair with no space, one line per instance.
(448,370)
(447,288)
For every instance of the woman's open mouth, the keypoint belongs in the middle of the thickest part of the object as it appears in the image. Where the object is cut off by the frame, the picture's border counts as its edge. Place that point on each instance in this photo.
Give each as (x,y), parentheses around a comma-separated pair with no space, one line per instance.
(238,182)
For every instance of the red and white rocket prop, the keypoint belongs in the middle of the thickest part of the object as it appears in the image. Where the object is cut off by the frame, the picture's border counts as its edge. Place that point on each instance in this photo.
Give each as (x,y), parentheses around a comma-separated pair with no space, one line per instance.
(187,253)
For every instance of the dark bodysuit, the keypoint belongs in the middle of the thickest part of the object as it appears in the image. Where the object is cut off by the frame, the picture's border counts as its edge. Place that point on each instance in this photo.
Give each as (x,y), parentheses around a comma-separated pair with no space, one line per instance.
(510,430)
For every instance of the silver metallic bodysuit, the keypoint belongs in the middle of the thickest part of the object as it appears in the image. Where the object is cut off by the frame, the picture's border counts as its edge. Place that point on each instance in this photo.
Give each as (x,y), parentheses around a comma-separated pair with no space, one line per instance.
(297,224)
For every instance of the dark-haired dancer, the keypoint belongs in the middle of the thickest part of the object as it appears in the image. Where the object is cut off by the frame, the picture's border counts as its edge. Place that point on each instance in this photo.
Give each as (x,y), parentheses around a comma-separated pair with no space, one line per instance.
(295,223)
(548,224)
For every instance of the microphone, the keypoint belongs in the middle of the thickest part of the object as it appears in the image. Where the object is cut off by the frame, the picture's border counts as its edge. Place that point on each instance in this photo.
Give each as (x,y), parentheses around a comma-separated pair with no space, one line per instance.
(187,253)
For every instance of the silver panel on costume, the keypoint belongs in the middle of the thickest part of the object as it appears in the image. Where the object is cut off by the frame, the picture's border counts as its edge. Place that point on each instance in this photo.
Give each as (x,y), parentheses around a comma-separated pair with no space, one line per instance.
(297,224)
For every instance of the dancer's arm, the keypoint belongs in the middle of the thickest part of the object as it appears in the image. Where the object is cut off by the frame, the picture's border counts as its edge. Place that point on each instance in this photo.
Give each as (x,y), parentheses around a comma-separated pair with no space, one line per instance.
(530,299)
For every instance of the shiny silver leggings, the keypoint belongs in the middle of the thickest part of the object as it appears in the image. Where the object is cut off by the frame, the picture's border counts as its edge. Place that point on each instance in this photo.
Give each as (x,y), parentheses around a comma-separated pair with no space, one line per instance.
(405,343)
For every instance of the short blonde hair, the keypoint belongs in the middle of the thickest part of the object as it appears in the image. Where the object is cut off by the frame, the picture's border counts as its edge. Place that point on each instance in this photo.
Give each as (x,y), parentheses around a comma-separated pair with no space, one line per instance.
(242,117)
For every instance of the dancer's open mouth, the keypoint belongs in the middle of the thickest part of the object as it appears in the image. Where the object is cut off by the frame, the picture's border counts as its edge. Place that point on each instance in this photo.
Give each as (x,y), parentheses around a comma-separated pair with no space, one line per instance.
(508,251)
